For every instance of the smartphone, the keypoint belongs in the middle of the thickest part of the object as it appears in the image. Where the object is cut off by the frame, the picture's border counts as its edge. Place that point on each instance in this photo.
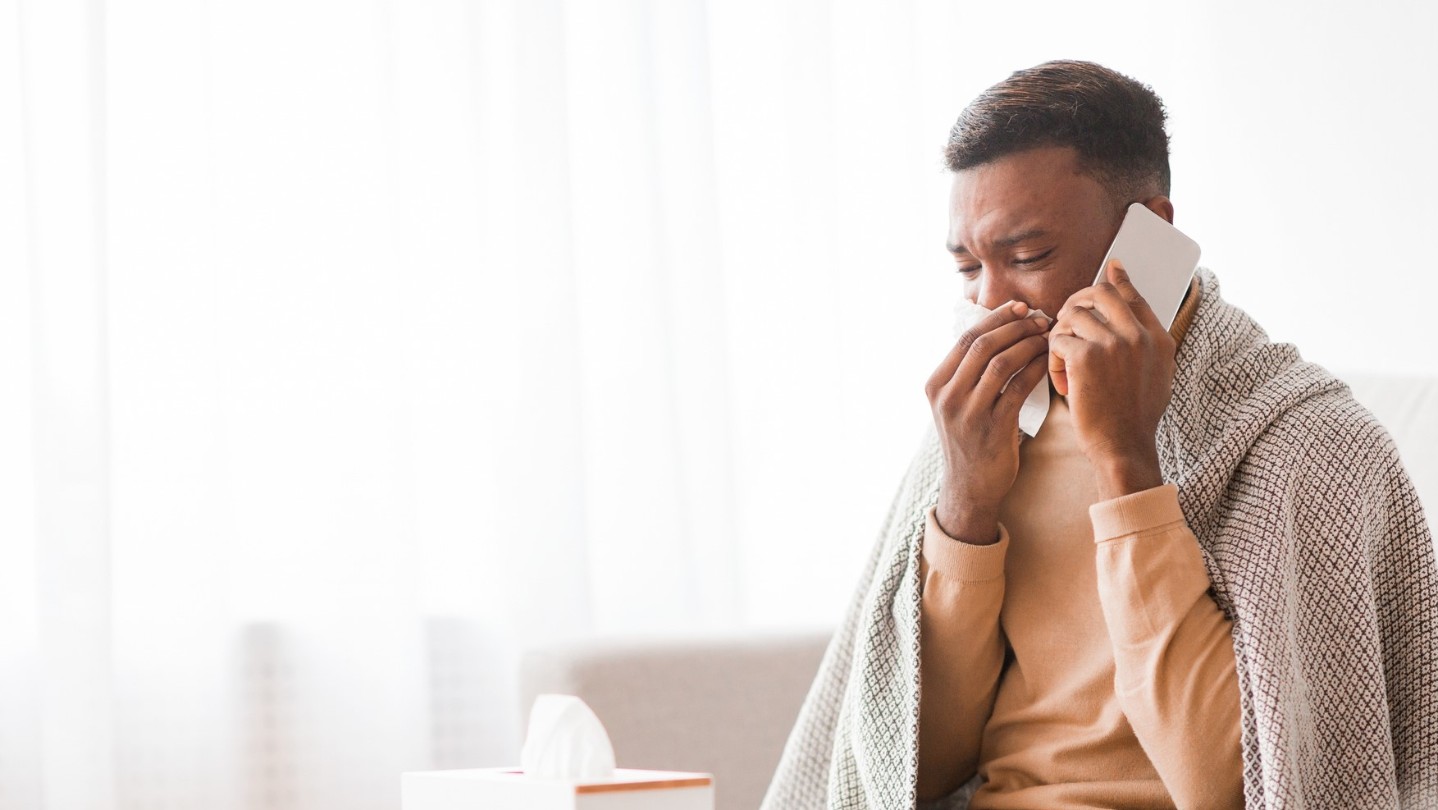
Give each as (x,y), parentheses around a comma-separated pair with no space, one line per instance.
(1160,260)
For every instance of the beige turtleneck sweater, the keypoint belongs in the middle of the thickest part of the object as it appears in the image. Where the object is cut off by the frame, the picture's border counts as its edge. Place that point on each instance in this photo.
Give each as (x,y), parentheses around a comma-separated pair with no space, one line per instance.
(1079,661)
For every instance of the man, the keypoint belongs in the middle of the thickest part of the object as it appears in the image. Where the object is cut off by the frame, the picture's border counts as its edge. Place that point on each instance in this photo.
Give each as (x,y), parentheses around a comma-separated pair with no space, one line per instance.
(1205,581)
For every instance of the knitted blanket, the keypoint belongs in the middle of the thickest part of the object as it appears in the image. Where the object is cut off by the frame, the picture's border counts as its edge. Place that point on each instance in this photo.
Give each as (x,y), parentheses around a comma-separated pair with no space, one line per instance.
(1316,548)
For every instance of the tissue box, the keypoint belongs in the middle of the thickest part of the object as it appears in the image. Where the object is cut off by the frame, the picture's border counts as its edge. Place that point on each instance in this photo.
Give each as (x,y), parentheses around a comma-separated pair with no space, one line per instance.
(510,789)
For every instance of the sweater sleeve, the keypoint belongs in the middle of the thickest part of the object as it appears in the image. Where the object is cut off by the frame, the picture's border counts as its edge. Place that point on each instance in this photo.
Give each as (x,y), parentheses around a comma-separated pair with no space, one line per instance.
(961,654)
(1173,647)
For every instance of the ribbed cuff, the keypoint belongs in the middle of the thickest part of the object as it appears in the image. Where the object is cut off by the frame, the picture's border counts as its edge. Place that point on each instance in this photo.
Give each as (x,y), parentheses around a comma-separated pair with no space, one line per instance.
(1135,512)
(966,562)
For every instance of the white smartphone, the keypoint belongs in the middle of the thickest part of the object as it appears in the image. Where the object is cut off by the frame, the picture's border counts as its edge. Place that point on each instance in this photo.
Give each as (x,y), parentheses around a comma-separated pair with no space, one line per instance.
(1160,260)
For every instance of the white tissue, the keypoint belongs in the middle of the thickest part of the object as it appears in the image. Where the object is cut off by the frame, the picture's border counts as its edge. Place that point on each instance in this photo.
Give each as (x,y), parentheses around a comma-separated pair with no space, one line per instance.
(1036,407)
(565,741)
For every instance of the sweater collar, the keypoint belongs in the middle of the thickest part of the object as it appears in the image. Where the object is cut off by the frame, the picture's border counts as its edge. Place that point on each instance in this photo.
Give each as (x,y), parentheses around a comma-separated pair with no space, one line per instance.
(1186,311)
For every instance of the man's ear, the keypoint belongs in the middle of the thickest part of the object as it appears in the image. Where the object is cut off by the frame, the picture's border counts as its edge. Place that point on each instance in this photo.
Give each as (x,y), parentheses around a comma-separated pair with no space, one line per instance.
(1160,205)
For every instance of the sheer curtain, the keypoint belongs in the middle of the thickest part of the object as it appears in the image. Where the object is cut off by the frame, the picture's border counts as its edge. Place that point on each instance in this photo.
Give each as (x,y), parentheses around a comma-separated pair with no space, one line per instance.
(348,349)
(363,345)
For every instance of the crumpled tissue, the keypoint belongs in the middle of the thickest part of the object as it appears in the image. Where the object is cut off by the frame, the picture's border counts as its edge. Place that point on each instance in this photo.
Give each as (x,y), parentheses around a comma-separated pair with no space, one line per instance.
(566,741)
(1036,407)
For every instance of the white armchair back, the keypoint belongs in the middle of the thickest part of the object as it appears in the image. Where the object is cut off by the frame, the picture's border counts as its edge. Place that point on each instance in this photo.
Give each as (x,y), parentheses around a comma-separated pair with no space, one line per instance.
(1408,407)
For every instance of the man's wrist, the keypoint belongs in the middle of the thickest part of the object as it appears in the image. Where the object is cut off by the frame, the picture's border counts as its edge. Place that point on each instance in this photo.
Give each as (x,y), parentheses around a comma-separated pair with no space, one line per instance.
(1127,473)
(966,524)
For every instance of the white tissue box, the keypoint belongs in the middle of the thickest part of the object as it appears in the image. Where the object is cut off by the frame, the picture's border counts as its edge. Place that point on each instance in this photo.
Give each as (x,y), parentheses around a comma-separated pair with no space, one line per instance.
(510,789)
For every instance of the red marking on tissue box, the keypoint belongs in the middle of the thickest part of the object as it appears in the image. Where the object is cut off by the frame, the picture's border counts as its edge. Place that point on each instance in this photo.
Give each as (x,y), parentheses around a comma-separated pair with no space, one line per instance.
(606,787)
(635,780)
(510,789)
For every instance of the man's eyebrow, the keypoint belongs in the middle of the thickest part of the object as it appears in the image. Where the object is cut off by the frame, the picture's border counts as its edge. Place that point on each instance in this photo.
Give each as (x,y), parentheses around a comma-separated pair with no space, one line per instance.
(1007,241)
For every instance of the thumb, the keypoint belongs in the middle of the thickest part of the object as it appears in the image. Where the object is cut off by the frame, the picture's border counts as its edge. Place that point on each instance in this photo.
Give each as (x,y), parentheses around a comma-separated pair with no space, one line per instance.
(1117,275)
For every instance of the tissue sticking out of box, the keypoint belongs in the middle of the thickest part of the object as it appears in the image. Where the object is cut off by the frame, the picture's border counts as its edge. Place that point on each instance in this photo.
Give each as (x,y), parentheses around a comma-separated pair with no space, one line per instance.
(565,741)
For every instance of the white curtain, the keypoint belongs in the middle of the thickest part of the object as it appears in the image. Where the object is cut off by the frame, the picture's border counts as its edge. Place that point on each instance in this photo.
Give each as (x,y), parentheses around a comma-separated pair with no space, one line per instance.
(347,349)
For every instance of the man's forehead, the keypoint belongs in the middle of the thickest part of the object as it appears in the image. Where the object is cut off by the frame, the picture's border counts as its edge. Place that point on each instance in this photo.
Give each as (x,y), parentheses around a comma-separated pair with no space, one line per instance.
(1036,189)
(987,211)
(995,212)
(1003,230)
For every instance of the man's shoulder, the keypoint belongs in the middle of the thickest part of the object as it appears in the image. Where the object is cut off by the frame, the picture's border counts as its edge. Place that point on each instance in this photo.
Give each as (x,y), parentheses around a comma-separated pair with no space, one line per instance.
(1329,441)
(1333,419)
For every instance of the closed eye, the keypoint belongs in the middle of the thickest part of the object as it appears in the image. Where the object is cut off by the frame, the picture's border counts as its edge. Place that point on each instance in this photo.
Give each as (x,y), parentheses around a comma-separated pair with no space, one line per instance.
(1037,258)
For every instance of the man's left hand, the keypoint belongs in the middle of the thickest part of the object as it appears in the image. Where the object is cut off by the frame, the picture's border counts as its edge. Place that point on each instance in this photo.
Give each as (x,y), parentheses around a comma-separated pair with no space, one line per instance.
(1114,361)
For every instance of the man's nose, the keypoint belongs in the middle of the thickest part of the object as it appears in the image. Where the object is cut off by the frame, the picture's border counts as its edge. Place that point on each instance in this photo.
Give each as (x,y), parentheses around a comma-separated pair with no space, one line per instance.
(994,293)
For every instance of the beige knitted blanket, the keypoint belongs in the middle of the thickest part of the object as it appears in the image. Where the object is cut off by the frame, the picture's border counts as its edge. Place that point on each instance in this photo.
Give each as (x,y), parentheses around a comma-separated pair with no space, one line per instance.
(1317,550)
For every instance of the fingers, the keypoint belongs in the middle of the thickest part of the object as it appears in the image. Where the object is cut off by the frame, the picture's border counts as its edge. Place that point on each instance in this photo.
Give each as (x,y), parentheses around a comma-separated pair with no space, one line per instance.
(1119,279)
(1082,299)
(1086,323)
(1140,308)
(1009,313)
(1117,305)
(977,347)
(1032,375)
(988,348)
(1061,347)
(1001,369)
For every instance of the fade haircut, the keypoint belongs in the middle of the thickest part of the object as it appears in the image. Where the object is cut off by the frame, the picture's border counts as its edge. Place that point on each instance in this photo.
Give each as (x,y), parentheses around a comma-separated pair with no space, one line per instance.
(1115,123)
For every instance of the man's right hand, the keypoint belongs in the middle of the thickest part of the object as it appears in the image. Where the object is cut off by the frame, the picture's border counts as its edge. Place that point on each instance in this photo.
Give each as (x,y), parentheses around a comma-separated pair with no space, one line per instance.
(978,426)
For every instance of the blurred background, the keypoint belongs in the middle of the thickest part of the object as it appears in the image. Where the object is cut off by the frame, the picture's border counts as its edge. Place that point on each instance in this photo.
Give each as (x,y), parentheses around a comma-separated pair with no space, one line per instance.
(348,349)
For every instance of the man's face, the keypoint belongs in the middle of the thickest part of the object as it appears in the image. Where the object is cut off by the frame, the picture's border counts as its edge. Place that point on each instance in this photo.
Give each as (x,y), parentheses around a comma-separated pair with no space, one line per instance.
(1029,227)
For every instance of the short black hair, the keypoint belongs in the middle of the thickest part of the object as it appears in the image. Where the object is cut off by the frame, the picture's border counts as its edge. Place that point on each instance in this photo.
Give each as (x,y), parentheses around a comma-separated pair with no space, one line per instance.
(1115,123)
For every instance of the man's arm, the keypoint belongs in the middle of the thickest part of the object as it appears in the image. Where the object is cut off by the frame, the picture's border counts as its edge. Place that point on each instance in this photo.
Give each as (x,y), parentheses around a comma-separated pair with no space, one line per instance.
(1173,647)
(975,395)
(961,654)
